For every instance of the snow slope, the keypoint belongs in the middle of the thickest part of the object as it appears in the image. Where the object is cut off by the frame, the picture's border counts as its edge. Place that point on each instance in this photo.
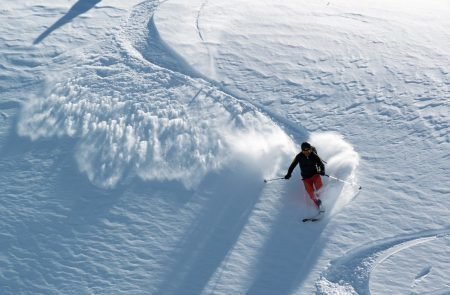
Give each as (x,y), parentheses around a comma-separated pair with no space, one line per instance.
(135,137)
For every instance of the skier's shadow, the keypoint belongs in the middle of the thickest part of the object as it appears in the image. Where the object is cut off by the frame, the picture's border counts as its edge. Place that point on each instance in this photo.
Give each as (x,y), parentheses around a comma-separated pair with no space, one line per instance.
(290,249)
(77,9)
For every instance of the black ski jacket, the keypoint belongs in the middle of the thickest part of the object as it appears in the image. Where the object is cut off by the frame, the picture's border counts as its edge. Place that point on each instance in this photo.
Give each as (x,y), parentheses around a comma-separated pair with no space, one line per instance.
(309,166)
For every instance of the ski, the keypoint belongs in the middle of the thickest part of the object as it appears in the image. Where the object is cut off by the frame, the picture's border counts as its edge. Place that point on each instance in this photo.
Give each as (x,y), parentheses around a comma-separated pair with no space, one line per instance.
(315,218)
(311,219)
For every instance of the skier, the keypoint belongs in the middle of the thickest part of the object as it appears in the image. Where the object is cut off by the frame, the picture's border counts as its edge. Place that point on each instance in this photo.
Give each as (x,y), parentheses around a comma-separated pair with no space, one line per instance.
(311,167)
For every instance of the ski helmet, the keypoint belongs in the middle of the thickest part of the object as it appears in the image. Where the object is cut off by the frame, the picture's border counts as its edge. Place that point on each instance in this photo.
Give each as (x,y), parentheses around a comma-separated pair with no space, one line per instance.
(306,146)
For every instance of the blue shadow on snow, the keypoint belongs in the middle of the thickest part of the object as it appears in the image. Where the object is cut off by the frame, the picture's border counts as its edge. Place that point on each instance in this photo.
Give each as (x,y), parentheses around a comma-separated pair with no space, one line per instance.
(77,9)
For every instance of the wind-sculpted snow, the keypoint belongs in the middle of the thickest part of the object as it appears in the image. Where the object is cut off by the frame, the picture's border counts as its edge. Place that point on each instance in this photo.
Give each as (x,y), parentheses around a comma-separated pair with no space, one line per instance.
(134,118)
(342,58)
(222,93)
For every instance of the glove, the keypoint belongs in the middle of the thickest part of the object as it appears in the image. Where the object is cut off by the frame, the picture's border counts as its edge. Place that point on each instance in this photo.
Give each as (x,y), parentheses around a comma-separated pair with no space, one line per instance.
(287,176)
(322,172)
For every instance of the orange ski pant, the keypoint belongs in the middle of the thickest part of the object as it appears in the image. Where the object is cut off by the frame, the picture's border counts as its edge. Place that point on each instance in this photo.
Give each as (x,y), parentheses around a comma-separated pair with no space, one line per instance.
(312,184)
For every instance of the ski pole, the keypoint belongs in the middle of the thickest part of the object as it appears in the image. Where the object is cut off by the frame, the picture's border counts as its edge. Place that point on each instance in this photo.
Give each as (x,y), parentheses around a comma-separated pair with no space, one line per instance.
(278,178)
(338,179)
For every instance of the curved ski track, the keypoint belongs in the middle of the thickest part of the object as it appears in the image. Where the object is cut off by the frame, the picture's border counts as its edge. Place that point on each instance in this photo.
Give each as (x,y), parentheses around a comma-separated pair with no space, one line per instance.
(355,268)
(341,271)
(153,49)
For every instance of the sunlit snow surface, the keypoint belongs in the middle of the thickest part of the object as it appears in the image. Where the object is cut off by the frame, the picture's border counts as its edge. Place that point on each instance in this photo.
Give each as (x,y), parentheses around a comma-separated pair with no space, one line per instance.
(135,138)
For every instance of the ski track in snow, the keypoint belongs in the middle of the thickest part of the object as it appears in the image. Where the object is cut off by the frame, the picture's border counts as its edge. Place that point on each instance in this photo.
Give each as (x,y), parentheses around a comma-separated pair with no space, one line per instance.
(161,125)
(133,117)
(352,273)
(253,236)
(254,239)
(197,21)
(136,108)
(431,115)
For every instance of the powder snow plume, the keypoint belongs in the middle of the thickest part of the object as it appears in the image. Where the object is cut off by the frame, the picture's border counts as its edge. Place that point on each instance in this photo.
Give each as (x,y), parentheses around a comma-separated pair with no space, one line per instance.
(134,118)
(341,162)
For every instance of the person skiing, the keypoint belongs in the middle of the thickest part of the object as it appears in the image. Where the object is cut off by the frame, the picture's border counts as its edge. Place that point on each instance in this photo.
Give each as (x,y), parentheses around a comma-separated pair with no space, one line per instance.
(311,167)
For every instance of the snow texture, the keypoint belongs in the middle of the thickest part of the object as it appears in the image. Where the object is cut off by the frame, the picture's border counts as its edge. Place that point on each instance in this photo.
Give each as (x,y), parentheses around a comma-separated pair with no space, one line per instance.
(135,137)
